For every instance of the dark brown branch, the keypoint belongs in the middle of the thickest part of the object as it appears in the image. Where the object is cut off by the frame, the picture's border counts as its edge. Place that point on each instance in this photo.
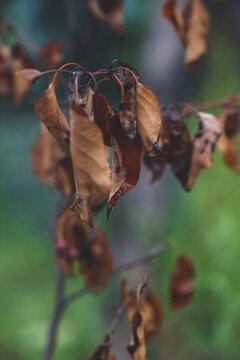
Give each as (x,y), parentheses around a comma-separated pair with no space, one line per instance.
(56,316)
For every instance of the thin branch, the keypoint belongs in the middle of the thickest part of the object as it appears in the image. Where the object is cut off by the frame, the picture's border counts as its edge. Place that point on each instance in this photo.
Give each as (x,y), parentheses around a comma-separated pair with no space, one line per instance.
(118,315)
(218,103)
(56,316)
(152,254)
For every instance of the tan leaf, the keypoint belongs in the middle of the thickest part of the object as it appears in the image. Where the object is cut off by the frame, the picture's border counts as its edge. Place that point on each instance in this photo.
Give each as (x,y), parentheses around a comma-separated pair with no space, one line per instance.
(227,143)
(126,161)
(29,74)
(137,348)
(198,24)
(47,108)
(148,116)
(150,308)
(204,143)
(90,162)
(50,165)
(172,13)
(182,286)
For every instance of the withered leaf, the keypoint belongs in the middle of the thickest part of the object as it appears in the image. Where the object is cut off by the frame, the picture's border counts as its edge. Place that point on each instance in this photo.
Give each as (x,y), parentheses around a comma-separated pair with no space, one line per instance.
(126,161)
(150,308)
(137,348)
(182,286)
(102,113)
(50,165)
(6,77)
(109,11)
(227,143)
(156,164)
(29,74)
(77,242)
(48,110)
(103,352)
(51,54)
(204,143)
(192,27)
(148,116)
(90,162)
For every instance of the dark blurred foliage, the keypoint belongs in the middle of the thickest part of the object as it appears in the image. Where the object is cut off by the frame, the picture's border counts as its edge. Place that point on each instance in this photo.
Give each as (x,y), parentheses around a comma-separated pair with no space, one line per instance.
(204,223)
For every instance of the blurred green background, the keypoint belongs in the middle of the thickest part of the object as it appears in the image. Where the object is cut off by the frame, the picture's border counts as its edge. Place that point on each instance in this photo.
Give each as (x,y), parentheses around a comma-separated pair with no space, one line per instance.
(204,223)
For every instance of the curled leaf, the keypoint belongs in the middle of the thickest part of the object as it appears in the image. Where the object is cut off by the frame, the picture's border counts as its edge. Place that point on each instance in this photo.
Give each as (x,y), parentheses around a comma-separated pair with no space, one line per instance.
(90,162)
(192,27)
(137,348)
(126,161)
(78,243)
(29,74)
(182,286)
(48,110)
(148,116)
(227,143)
(102,113)
(204,143)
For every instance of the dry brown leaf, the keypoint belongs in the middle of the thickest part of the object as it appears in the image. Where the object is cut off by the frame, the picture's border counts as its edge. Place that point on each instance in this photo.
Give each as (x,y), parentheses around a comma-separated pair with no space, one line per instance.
(51,54)
(103,352)
(156,164)
(102,113)
(172,13)
(29,74)
(204,143)
(78,243)
(182,286)
(126,161)
(137,348)
(192,27)
(198,24)
(109,11)
(50,165)
(150,308)
(148,116)
(47,108)
(227,143)
(90,162)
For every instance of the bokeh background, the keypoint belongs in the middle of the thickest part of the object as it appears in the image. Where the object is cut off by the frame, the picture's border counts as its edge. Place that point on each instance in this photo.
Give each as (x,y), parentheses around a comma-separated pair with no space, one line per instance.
(204,224)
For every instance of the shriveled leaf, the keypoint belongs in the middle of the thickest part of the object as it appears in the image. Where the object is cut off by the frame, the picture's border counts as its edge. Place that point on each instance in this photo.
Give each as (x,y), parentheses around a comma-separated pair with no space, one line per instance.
(137,348)
(51,54)
(182,285)
(192,27)
(227,143)
(198,24)
(29,74)
(109,11)
(78,243)
(128,109)
(148,116)
(90,162)
(50,165)
(172,13)
(204,143)
(150,308)
(102,113)
(103,352)
(47,108)
(126,161)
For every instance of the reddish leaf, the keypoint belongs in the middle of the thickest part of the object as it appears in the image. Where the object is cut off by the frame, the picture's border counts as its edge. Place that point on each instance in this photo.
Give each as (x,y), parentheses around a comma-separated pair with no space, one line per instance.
(126,161)
(51,54)
(102,113)
(77,242)
(6,78)
(182,286)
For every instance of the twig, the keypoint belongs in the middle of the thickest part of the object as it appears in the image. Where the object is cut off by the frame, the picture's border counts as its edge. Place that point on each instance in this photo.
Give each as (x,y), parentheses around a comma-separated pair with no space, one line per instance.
(57,312)
(118,315)
(152,254)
